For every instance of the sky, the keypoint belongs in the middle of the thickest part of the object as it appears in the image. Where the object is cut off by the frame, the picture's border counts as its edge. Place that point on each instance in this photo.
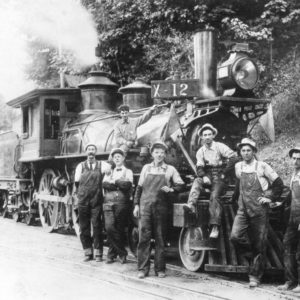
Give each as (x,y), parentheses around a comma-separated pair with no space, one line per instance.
(65,23)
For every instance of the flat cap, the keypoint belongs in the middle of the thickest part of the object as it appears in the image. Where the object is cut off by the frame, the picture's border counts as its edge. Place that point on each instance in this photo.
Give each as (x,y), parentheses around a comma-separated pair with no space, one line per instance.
(117,150)
(123,107)
(158,144)
(90,144)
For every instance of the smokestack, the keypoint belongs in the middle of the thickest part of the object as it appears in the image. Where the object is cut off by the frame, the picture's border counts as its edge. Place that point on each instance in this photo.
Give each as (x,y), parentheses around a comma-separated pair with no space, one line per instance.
(205,62)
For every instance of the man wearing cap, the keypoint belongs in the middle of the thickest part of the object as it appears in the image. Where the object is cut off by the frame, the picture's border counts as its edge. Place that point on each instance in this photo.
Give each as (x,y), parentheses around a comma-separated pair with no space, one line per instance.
(117,191)
(291,241)
(157,181)
(88,188)
(211,171)
(125,130)
(259,185)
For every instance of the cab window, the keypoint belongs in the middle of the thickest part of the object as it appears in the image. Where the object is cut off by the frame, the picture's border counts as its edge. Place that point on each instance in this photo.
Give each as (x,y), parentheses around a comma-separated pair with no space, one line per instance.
(51,123)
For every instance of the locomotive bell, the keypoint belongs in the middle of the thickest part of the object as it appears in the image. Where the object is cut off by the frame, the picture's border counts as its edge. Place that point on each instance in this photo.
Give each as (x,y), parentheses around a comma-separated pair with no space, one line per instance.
(137,94)
(99,92)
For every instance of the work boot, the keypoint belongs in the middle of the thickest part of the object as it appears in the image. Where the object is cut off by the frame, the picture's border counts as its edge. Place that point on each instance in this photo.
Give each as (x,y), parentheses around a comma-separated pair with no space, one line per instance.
(189,208)
(141,275)
(160,274)
(296,289)
(88,258)
(109,260)
(253,282)
(286,286)
(214,232)
(99,258)
(122,259)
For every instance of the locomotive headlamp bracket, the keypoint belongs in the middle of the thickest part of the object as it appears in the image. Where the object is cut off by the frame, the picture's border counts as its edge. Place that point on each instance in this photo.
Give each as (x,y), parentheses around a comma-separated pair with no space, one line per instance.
(238,74)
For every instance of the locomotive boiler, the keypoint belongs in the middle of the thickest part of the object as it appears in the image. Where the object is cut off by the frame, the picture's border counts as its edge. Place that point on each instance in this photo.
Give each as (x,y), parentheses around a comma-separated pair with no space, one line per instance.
(58,123)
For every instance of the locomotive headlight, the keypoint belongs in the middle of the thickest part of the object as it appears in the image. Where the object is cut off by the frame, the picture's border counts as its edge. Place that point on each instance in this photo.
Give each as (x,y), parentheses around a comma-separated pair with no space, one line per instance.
(237,73)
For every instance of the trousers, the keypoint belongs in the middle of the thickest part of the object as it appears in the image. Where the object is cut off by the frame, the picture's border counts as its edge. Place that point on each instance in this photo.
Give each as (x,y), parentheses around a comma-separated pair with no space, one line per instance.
(249,234)
(215,206)
(91,216)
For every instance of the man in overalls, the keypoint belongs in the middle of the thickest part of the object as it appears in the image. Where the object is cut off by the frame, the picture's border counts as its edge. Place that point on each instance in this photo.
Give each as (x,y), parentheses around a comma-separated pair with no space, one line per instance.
(117,191)
(152,203)
(259,185)
(291,240)
(88,185)
(211,170)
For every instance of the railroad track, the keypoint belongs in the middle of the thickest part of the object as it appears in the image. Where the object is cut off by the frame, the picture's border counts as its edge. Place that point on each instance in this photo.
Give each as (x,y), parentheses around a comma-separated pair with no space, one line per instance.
(63,254)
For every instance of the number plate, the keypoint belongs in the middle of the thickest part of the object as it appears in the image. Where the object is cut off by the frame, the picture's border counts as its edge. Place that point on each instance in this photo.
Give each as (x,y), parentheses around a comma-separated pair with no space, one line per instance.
(175,89)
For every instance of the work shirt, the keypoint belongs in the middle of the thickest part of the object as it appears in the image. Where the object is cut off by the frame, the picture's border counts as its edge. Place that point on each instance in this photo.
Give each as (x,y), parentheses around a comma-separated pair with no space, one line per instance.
(119,173)
(265,174)
(214,154)
(127,130)
(171,174)
(78,171)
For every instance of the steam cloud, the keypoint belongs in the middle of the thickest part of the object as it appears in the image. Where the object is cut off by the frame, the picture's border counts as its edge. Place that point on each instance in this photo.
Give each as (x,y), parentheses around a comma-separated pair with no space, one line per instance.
(61,23)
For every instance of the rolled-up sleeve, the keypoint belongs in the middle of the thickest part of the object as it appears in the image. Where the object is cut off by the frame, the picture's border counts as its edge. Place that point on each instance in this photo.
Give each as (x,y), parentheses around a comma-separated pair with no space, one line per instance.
(142,176)
(270,173)
(105,167)
(200,158)
(144,118)
(225,151)
(78,172)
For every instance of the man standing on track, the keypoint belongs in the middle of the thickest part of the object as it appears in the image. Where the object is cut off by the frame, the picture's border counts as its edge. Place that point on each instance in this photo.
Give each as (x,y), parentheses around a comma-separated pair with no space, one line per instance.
(259,186)
(117,191)
(291,240)
(88,185)
(151,200)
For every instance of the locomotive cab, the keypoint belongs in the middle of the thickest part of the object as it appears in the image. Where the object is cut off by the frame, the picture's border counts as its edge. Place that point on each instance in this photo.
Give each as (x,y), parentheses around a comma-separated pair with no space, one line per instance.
(44,114)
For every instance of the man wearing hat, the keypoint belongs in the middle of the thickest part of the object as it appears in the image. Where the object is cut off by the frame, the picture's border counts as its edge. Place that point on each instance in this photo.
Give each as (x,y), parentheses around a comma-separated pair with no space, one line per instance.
(157,181)
(117,191)
(259,185)
(125,130)
(88,188)
(211,171)
(291,240)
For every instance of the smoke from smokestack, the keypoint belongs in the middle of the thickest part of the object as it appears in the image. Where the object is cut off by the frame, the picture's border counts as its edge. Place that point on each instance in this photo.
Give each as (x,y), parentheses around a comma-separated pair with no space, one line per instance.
(60,23)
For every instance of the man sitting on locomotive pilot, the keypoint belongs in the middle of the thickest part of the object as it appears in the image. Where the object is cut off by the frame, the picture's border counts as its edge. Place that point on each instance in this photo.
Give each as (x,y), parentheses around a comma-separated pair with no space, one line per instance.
(125,130)
(211,172)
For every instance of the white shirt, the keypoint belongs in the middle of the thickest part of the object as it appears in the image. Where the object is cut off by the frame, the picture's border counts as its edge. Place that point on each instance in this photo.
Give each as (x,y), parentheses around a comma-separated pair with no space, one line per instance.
(104,167)
(265,173)
(170,172)
(124,174)
(214,154)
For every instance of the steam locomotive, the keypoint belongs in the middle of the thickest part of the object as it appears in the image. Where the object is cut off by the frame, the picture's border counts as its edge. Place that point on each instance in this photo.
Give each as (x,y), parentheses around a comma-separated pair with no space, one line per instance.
(38,164)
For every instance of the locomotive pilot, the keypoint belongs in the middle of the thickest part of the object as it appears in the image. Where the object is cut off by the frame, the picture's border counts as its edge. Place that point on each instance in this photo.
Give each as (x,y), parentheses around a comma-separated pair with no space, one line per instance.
(211,172)
(125,130)
(259,185)
(117,191)
(157,180)
(88,188)
(291,240)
